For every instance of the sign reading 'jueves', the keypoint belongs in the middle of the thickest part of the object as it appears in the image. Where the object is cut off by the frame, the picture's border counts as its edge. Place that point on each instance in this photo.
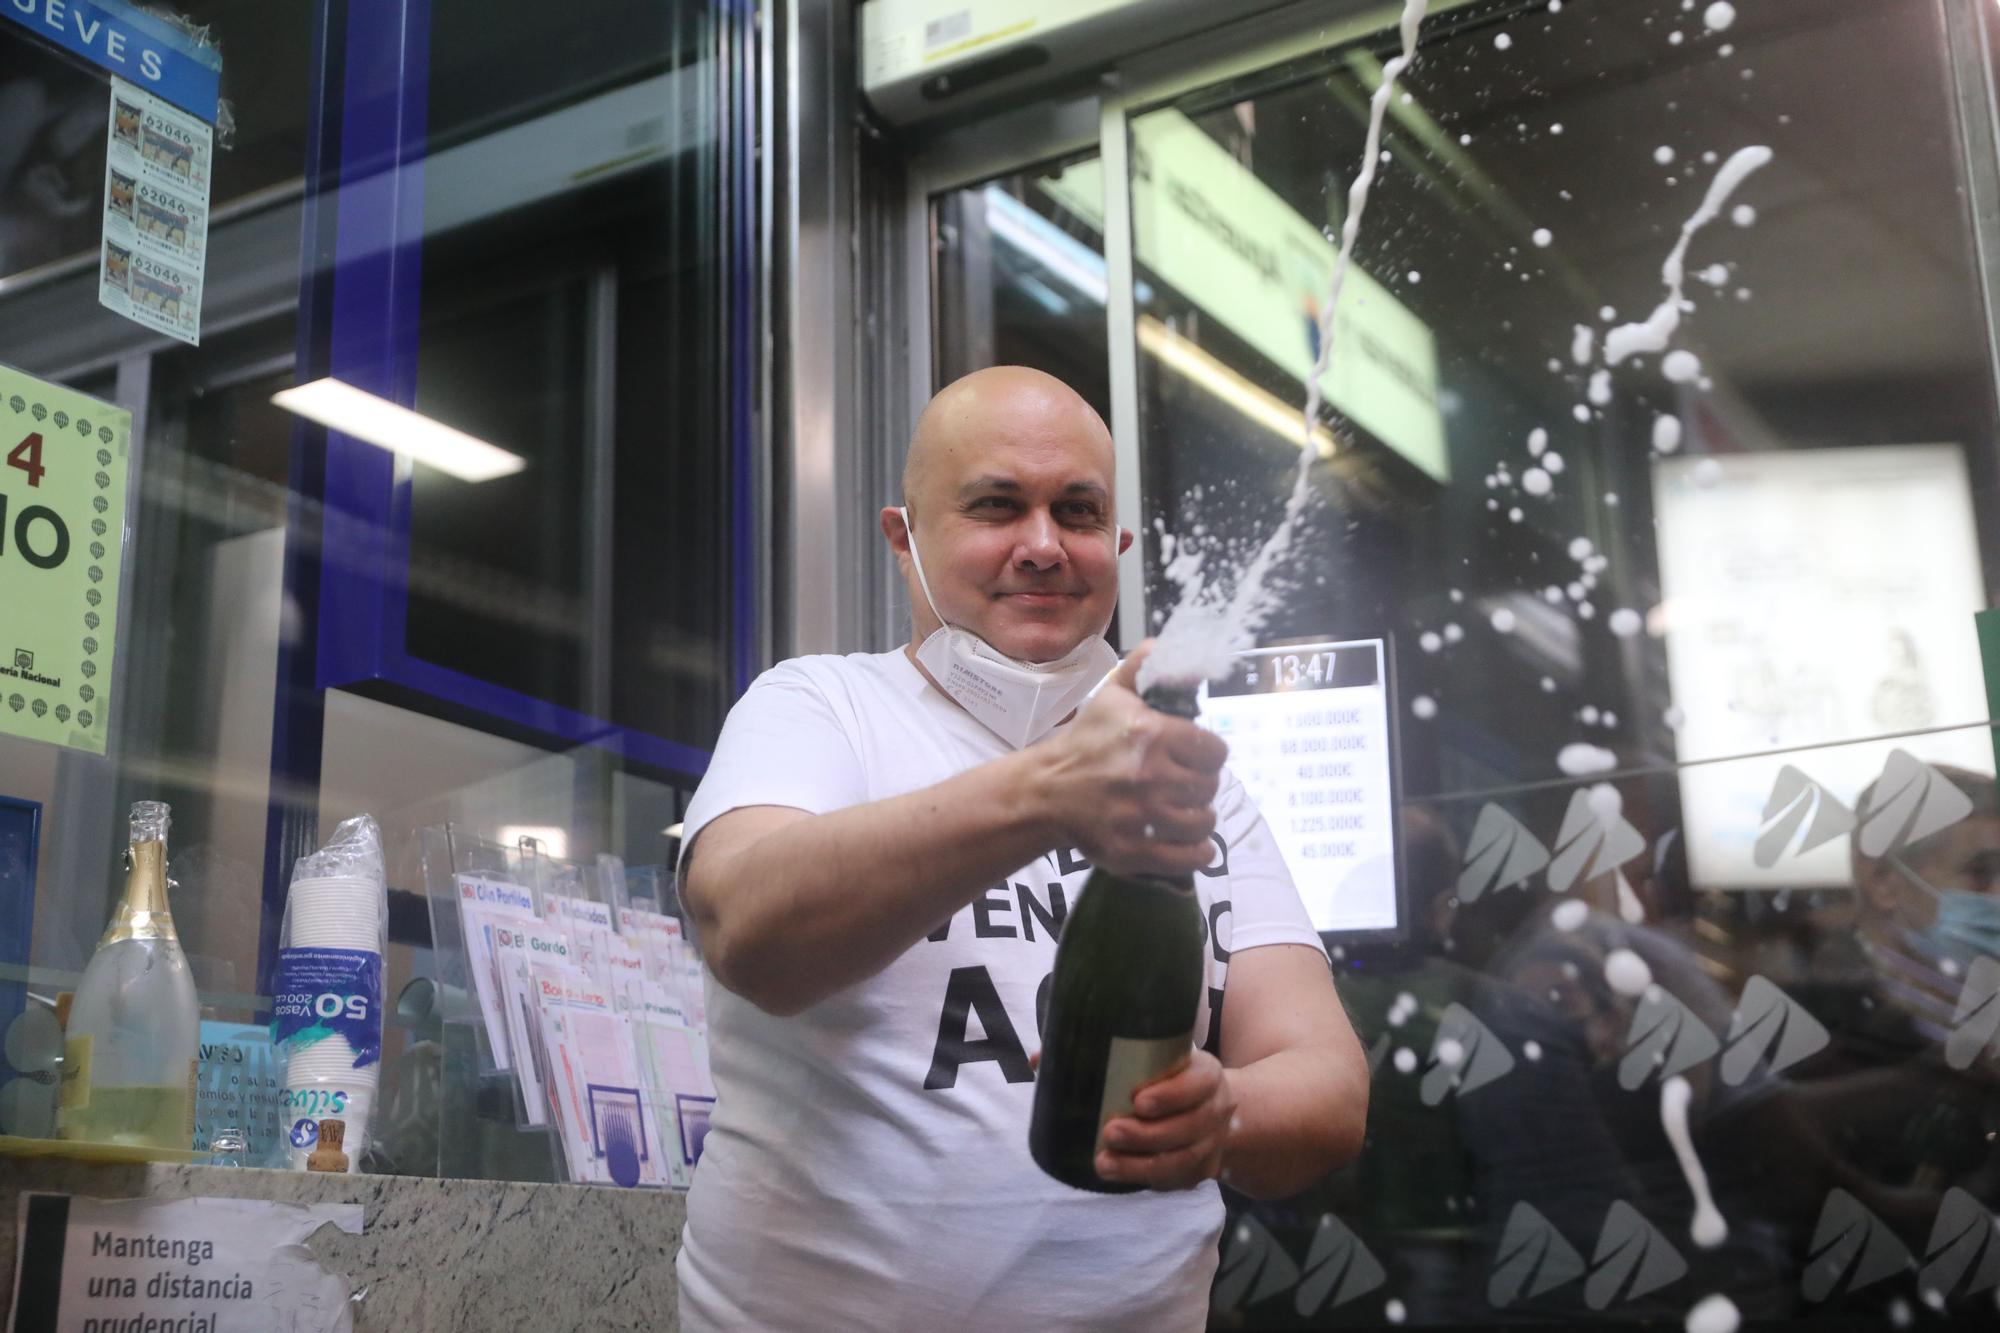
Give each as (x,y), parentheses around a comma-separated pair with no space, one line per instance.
(131,44)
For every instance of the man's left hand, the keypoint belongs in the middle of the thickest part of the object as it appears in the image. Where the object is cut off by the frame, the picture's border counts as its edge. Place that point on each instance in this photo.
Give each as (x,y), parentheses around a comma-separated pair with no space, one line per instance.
(1175,1137)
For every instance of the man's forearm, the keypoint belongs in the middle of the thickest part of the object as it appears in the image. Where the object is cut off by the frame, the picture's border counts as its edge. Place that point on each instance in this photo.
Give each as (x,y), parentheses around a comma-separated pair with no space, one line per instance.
(827,901)
(1300,1114)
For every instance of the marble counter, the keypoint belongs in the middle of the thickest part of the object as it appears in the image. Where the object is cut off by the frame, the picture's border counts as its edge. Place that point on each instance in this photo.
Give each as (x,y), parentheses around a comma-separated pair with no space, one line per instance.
(443,1256)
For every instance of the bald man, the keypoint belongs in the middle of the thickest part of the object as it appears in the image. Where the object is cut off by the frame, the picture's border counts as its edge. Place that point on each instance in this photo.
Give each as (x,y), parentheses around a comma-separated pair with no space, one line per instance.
(878,862)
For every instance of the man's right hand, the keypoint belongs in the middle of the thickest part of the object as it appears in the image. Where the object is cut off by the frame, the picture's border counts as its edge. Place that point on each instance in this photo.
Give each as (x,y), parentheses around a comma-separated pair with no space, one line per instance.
(1130,787)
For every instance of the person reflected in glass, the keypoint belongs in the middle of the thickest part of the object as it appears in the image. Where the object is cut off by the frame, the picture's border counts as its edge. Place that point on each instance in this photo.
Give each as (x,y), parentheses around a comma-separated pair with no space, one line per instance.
(1929,909)
(1917,1097)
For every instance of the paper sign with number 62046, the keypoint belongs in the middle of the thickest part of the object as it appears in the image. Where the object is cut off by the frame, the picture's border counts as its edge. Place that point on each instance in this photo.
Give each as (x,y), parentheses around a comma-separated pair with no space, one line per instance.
(62,535)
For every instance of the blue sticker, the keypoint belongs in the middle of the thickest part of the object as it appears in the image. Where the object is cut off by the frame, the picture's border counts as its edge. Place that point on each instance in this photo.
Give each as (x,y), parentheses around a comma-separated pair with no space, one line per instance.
(324,993)
(305,1134)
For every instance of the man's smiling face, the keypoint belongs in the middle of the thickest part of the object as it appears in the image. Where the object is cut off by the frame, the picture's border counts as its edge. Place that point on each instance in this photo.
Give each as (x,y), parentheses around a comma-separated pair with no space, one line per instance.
(1009,487)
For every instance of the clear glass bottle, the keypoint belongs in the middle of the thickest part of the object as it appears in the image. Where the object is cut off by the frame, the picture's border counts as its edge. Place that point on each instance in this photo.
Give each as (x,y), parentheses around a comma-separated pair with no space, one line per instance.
(134,1030)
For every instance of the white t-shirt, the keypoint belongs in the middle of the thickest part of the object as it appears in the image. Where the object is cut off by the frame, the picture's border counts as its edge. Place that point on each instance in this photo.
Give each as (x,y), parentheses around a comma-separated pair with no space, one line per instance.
(866,1165)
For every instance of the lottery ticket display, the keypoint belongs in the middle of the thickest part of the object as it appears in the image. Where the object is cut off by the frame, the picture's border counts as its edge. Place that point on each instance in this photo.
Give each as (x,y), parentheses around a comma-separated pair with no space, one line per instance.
(156,183)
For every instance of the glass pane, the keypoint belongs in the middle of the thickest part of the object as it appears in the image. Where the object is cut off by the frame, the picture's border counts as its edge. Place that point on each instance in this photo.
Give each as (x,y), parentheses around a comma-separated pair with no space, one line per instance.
(52,164)
(577,319)
(1020,277)
(1680,580)
(551,259)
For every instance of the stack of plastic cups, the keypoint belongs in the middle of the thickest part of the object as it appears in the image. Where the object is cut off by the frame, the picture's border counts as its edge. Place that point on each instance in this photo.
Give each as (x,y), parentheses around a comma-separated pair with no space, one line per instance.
(321,1080)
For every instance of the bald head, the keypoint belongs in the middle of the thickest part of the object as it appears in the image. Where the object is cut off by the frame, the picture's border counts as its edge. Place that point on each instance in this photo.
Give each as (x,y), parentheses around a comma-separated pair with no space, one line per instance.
(1001,405)
(1009,481)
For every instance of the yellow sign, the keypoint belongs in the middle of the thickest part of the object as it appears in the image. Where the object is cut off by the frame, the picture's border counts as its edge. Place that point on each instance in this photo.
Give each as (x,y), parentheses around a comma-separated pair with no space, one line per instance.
(63,460)
(1204,222)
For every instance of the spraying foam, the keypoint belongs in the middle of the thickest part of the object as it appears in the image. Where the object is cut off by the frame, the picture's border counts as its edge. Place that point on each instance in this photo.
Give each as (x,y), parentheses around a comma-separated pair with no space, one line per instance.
(1714,1314)
(1657,330)
(1581,758)
(1626,972)
(1580,344)
(1708,1229)
(1681,366)
(1207,624)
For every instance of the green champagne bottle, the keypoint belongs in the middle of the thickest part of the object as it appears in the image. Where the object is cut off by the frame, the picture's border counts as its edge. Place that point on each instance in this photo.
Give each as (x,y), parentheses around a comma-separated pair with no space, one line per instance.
(1122,1003)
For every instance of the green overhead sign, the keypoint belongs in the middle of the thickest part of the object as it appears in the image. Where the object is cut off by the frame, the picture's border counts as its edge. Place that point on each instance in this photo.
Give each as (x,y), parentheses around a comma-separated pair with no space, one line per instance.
(1205,224)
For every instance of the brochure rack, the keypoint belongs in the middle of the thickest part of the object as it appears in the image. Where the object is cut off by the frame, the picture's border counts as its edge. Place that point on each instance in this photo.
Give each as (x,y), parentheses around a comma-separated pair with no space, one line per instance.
(485,1129)
(482,1134)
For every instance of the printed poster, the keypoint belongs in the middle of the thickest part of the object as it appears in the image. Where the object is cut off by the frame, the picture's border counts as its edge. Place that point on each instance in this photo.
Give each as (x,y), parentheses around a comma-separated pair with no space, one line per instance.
(156,183)
(63,460)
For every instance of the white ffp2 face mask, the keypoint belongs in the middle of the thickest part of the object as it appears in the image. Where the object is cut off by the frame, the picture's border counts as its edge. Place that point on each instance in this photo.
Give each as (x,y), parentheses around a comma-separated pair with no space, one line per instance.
(1020,702)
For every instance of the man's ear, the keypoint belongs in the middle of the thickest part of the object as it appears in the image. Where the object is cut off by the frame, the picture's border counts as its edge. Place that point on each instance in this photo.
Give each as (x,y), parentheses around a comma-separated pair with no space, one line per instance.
(891,520)
(1124,540)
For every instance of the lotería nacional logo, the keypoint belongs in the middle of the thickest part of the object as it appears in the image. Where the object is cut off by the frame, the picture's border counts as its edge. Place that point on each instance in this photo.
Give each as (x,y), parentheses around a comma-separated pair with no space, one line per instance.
(23,660)
(1633,1259)
(1851,1249)
(1800,816)
(1533,1258)
(1339,1268)
(1768,1022)
(1465,1057)
(1963,1256)
(1501,854)
(1254,1267)
(1666,1038)
(1976,1020)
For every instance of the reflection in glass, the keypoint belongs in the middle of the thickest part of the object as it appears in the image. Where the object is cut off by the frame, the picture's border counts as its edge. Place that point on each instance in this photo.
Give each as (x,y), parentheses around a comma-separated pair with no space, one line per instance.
(1021,278)
(1702,990)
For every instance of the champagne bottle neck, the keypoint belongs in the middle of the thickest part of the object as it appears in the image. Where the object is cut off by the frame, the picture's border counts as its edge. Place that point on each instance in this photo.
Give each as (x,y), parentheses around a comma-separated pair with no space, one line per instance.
(142,912)
(1177,698)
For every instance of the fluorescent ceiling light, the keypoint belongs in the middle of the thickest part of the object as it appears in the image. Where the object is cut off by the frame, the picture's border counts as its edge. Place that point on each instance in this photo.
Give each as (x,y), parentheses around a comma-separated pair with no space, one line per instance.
(1057,251)
(377,421)
(1253,401)
(1054,249)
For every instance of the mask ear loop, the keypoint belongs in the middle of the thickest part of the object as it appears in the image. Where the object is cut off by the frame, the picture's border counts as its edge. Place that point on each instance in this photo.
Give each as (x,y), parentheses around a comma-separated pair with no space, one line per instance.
(1909,873)
(918,561)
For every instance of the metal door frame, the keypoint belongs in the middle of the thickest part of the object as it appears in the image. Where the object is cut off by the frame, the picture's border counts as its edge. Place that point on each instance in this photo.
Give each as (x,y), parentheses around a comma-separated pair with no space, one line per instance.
(1022,137)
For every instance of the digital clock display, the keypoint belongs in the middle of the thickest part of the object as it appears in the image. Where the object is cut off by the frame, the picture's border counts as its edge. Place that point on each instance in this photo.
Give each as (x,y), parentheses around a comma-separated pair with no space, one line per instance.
(1308,733)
